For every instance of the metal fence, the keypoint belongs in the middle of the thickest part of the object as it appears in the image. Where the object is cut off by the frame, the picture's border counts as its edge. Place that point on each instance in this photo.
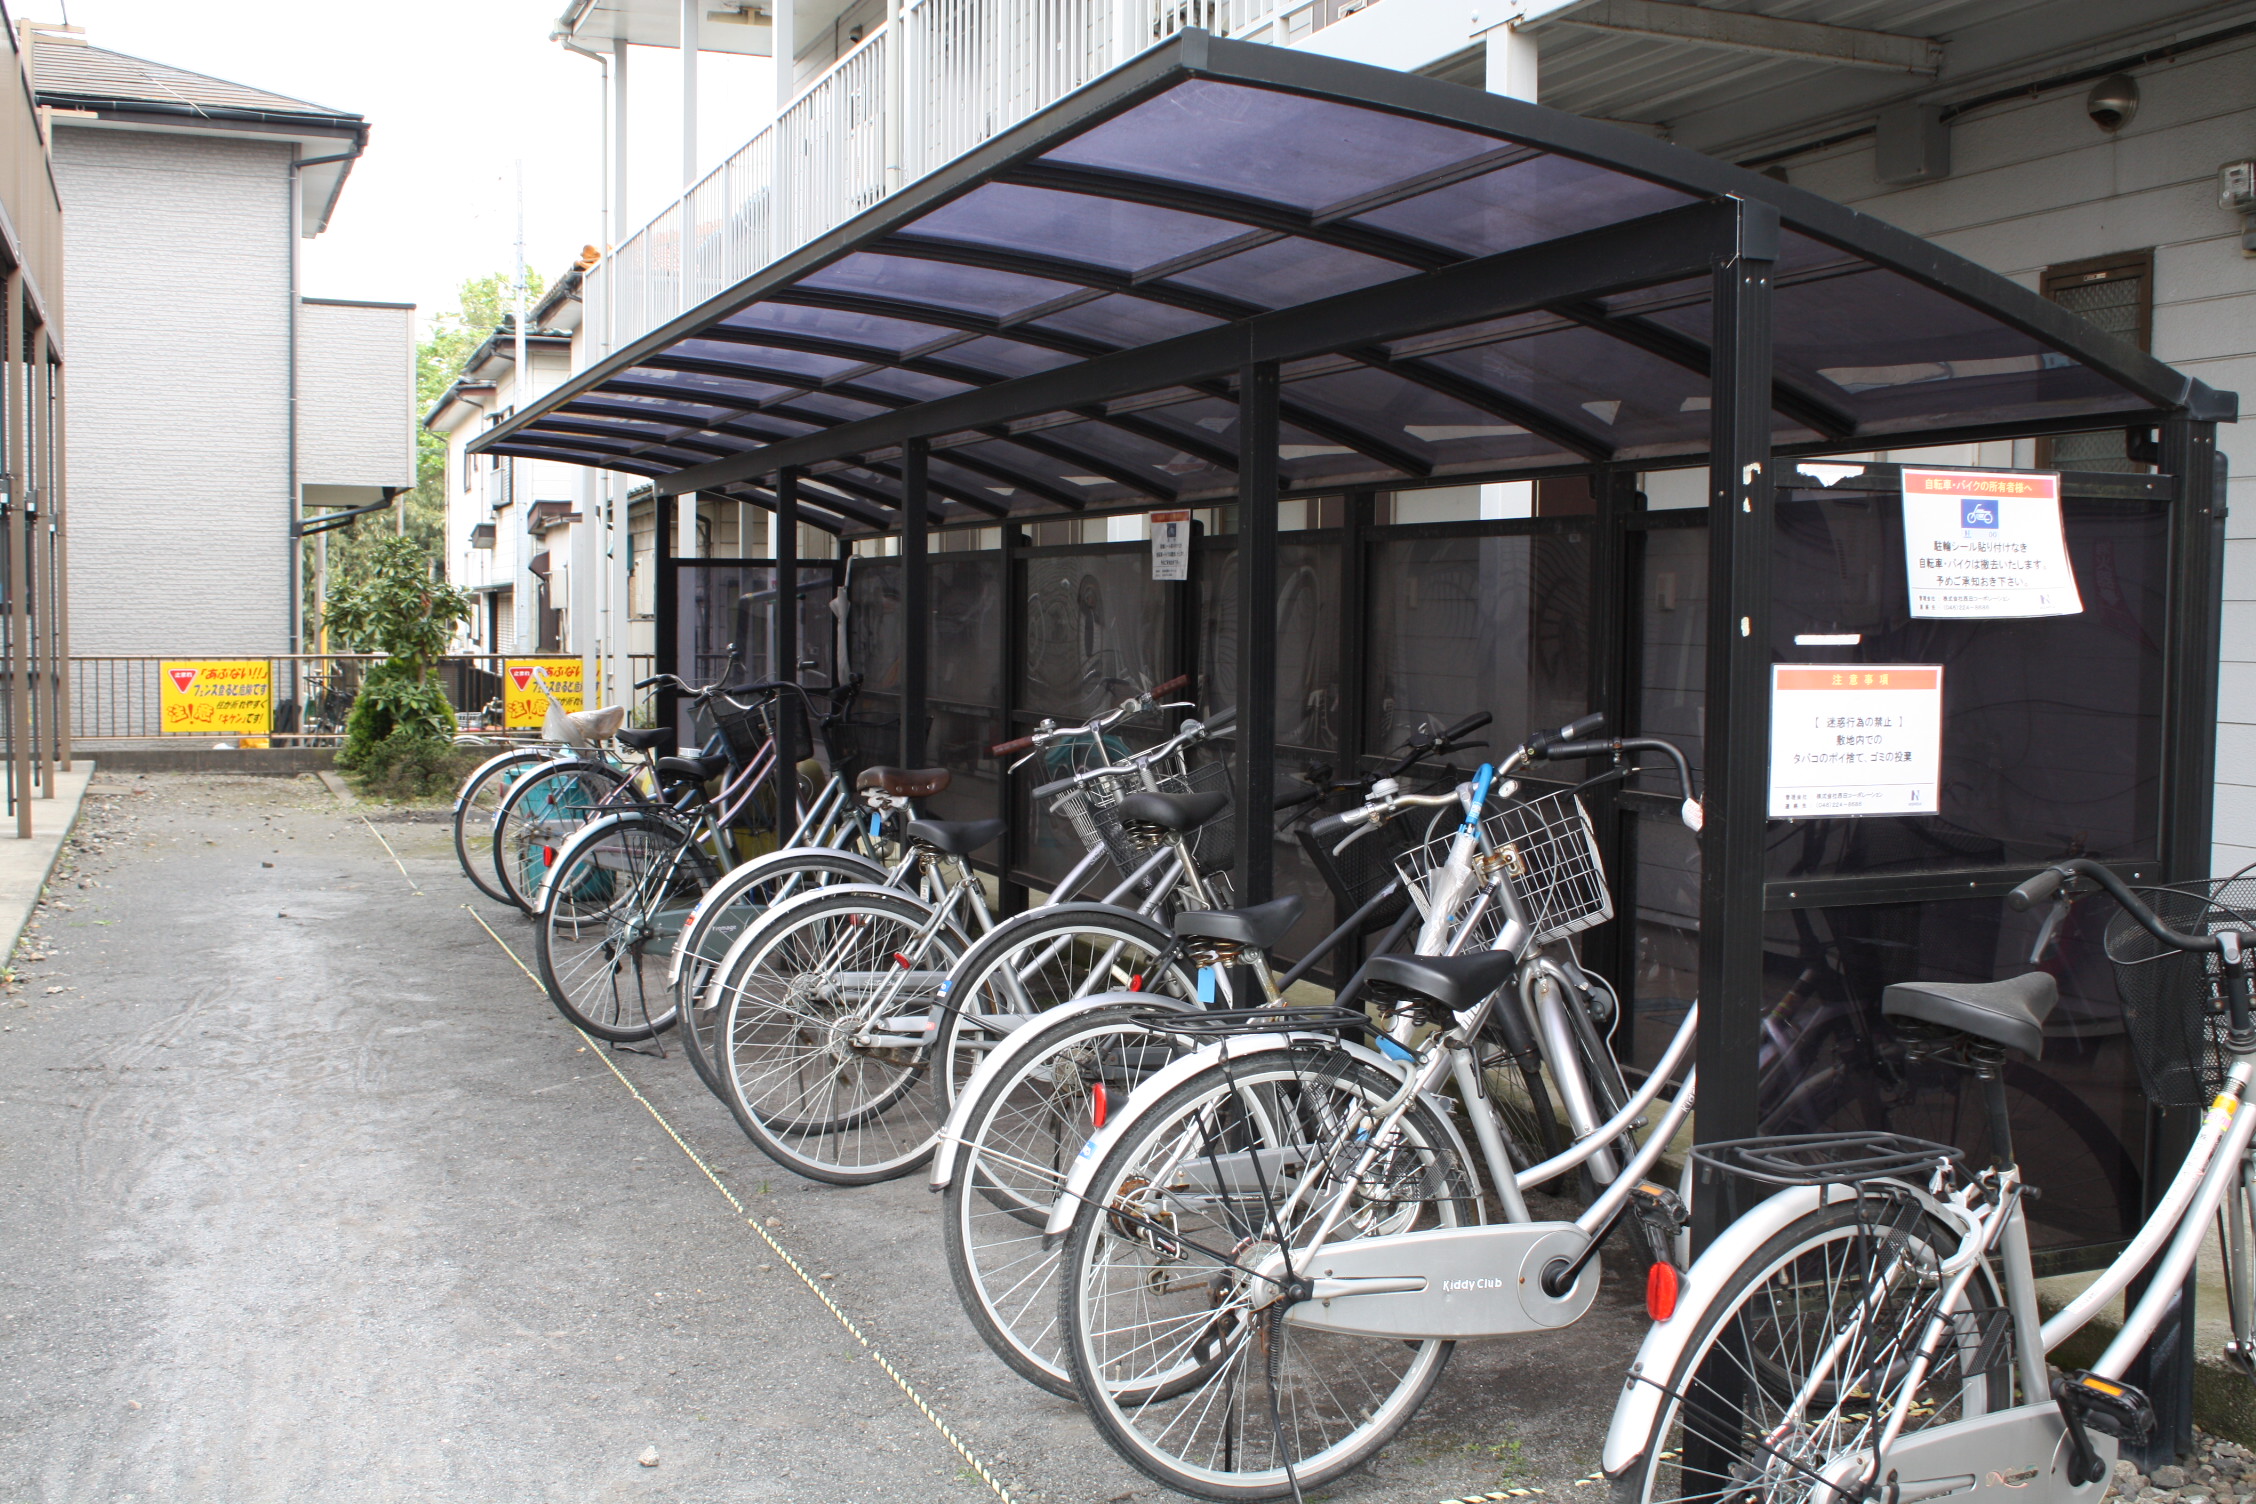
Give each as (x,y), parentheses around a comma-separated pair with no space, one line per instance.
(116,699)
(966,70)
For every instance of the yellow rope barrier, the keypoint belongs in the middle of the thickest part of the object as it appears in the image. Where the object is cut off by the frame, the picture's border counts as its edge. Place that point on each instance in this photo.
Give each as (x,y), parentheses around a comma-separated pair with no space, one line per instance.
(844,1320)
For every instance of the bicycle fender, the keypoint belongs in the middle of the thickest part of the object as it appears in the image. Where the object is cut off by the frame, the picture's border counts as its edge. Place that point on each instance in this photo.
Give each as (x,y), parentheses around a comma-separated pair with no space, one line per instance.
(1638,1409)
(1004,1055)
(1166,1079)
(799,900)
(733,882)
(602,825)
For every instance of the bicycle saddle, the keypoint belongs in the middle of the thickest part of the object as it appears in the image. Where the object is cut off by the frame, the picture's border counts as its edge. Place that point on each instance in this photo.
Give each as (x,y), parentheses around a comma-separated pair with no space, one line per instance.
(954,837)
(1455,982)
(1176,812)
(2010,1013)
(904,783)
(1261,926)
(643,741)
(691,769)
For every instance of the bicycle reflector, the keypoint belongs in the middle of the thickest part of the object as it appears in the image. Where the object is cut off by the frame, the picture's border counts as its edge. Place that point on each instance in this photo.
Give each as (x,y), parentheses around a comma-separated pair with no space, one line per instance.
(1098,1105)
(1662,1286)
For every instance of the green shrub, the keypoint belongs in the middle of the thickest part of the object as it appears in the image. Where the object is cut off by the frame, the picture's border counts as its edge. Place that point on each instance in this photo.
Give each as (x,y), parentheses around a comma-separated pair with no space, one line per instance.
(399,737)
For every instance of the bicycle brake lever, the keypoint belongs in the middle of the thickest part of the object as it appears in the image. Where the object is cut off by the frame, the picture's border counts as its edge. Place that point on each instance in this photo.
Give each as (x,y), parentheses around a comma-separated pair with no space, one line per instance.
(1353,836)
(2049,931)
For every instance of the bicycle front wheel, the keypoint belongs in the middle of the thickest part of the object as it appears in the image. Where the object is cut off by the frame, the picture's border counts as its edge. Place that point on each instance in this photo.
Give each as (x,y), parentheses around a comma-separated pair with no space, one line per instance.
(1801,1359)
(542,812)
(1021,1135)
(609,914)
(477,804)
(824,1043)
(734,905)
(1192,1368)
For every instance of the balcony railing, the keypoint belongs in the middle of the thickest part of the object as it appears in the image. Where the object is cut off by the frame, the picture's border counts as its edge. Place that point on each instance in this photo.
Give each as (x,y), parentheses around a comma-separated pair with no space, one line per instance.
(969,69)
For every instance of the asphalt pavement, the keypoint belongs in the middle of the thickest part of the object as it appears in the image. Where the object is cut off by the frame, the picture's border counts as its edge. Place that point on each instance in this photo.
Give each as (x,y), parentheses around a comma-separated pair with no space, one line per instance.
(307,1194)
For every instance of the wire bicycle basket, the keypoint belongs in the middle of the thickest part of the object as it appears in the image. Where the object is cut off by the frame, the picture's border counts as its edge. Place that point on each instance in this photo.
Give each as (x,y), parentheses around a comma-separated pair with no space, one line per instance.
(1550,850)
(2173,1000)
(1093,810)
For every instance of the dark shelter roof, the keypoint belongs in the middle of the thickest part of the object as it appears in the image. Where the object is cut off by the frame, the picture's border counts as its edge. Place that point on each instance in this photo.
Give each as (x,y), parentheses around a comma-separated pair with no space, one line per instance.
(1457,284)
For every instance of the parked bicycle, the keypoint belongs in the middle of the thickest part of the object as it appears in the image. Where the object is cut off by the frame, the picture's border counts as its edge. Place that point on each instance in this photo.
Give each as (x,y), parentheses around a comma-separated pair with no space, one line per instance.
(1870,1327)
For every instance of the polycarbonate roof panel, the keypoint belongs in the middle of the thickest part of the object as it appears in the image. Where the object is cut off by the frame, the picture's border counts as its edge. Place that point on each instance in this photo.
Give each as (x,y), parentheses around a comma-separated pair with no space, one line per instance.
(1118,240)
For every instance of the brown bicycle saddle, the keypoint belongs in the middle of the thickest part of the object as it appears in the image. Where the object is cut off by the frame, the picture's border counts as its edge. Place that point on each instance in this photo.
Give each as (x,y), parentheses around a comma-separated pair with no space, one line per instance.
(904,783)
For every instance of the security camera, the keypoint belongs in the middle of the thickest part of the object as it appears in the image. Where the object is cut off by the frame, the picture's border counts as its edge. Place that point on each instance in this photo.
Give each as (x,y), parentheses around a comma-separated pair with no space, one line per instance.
(2112,102)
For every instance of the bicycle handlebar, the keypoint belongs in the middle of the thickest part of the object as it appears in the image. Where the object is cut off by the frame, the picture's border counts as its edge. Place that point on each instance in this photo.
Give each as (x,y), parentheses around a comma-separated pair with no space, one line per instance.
(1190,733)
(1135,702)
(2048,882)
(1573,731)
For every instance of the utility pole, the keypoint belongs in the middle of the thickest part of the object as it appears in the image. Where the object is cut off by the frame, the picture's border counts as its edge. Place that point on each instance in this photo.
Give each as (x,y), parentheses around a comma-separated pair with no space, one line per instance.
(520,394)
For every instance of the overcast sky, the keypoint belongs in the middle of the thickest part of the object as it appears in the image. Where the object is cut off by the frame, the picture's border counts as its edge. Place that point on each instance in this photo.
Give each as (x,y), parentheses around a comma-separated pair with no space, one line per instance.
(456,92)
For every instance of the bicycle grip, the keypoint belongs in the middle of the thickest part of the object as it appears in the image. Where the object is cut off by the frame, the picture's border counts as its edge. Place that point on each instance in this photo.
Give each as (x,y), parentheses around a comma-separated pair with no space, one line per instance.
(1466,726)
(2036,890)
(1560,750)
(1219,721)
(646,683)
(1178,682)
(1577,730)
(1048,789)
(1332,825)
(1005,749)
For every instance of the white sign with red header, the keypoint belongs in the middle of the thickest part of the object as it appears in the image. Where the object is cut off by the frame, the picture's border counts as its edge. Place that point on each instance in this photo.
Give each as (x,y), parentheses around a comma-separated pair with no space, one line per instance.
(1171,545)
(1855,739)
(1986,545)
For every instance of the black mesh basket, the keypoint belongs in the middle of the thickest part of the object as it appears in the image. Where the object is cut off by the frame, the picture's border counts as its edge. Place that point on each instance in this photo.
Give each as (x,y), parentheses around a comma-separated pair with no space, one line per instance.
(1368,865)
(2173,1000)
(743,727)
(859,742)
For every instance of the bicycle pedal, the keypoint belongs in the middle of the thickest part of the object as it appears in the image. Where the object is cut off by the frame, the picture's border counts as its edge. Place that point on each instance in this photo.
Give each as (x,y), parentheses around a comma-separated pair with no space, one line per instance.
(2090,1403)
(2242,1355)
(1659,1208)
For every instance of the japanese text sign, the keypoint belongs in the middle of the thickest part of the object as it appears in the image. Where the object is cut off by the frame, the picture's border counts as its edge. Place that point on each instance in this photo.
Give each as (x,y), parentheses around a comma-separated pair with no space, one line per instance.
(1986,545)
(523,706)
(1171,545)
(1863,739)
(203,696)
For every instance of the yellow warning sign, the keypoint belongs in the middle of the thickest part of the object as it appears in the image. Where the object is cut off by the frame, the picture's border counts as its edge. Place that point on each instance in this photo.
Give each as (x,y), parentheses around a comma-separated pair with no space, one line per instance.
(523,706)
(202,696)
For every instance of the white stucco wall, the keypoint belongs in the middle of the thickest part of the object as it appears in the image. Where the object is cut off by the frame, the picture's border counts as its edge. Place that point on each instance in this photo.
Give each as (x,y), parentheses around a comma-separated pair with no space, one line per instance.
(2034,184)
(356,394)
(177,275)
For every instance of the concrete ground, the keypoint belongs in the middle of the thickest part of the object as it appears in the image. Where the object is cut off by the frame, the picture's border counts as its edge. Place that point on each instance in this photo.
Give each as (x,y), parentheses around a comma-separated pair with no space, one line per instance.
(307,1194)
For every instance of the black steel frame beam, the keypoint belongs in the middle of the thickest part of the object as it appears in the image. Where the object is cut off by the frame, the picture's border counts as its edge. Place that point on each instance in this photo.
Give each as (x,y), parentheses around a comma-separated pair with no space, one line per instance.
(1803,406)
(916,601)
(1067,454)
(945,490)
(1258,424)
(1663,247)
(979,464)
(1741,538)
(786,664)
(1486,399)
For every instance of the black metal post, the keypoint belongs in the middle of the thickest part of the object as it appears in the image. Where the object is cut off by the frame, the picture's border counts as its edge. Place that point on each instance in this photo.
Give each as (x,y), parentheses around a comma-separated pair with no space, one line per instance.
(1011,896)
(1738,692)
(1258,390)
(1610,950)
(916,602)
(666,627)
(2189,761)
(787,644)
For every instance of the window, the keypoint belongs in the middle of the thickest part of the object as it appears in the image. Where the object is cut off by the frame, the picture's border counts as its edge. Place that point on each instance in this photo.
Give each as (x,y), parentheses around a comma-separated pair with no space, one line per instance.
(2116,293)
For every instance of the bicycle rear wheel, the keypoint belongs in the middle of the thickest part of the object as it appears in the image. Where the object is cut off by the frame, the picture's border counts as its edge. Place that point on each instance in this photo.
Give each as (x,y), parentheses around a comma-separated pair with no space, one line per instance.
(609,914)
(732,907)
(477,804)
(1021,1134)
(1190,1367)
(827,1014)
(541,813)
(1855,1274)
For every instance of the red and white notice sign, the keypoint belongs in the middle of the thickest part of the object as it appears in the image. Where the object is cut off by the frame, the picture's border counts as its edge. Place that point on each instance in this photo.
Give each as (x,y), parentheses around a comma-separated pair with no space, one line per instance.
(1986,545)
(1855,739)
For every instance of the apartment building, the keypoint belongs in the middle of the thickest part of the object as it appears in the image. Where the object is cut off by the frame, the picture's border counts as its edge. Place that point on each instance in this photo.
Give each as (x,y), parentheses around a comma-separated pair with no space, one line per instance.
(216,412)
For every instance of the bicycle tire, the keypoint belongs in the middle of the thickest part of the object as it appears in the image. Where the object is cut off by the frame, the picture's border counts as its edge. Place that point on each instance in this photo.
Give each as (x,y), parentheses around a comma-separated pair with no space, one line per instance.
(821,1091)
(1206,1418)
(562,798)
(1022,1134)
(1748,1349)
(479,799)
(729,909)
(592,928)
(1037,960)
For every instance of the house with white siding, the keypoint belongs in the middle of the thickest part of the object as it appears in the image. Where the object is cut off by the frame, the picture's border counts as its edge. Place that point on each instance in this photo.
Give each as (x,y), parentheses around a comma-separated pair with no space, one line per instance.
(215,411)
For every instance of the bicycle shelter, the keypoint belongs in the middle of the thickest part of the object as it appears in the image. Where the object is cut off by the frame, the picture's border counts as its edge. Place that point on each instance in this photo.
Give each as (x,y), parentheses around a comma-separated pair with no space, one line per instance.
(1325,305)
